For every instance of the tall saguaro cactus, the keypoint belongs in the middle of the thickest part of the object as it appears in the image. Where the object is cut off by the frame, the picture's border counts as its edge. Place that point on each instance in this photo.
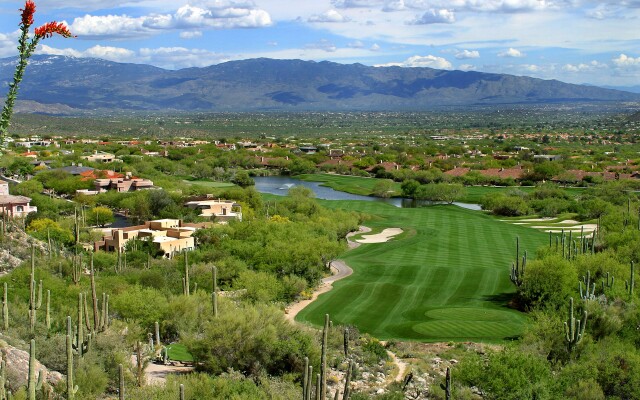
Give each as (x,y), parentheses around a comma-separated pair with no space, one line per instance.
(574,328)
(214,292)
(323,365)
(32,384)
(630,284)
(185,280)
(5,308)
(34,302)
(71,389)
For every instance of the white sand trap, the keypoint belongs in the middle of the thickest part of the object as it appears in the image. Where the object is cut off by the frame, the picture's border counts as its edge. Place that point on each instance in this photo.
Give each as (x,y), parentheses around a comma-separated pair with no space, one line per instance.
(535,219)
(569,222)
(381,237)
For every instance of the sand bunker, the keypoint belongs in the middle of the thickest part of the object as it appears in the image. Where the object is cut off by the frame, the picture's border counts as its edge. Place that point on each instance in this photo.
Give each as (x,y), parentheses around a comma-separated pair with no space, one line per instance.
(381,237)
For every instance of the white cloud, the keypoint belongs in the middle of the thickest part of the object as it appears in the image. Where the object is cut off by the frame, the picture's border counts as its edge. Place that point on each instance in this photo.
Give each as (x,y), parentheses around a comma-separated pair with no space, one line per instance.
(394,5)
(186,17)
(164,57)
(589,67)
(514,53)
(502,6)
(190,34)
(272,44)
(355,3)
(8,44)
(432,16)
(375,47)
(624,61)
(422,61)
(328,16)
(465,54)
(322,44)
(466,67)
(356,45)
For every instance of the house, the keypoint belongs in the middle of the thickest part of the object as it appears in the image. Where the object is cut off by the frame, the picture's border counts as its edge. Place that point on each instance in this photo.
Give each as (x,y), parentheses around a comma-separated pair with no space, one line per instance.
(14,206)
(125,183)
(171,236)
(222,210)
(547,157)
(101,157)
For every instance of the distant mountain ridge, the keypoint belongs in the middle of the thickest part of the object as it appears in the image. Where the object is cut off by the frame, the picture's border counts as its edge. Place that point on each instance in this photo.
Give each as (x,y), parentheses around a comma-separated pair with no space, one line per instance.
(280,85)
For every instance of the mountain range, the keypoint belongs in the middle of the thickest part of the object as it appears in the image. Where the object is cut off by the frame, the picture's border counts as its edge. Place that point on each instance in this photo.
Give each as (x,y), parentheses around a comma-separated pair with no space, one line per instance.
(58,84)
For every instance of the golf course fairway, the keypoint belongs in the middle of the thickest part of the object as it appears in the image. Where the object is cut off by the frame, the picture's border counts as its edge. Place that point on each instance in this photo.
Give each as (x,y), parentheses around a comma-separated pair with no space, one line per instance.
(445,278)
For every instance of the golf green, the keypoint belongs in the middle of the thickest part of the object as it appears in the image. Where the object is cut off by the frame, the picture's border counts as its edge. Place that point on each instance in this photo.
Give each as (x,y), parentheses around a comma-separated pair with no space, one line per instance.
(445,278)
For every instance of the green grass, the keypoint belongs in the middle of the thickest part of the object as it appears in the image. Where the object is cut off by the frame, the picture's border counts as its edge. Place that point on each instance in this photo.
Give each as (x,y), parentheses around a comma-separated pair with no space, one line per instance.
(364,186)
(350,184)
(445,279)
(178,352)
(209,183)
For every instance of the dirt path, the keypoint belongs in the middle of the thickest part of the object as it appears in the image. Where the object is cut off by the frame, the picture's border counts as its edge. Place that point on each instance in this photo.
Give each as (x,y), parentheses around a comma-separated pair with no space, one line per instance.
(156,374)
(340,270)
(402,366)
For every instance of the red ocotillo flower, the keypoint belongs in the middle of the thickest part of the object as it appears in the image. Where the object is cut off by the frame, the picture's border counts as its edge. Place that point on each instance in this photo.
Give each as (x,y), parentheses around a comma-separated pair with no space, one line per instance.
(48,29)
(27,13)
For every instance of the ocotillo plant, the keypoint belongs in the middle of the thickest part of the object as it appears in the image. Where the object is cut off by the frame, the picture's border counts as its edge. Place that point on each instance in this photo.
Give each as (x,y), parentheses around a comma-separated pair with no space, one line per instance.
(574,328)
(71,389)
(323,361)
(630,284)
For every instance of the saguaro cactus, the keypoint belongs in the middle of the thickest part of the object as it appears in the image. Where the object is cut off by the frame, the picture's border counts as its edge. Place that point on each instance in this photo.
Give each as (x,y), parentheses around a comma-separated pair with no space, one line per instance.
(5,308)
(32,384)
(346,342)
(34,302)
(447,389)
(323,365)
(157,332)
(3,380)
(590,287)
(214,292)
(185,280)
(347,383)
(181,391)
(574,328)
(629,285)
(120,382)
(71,389)
(517,271)
(608,282)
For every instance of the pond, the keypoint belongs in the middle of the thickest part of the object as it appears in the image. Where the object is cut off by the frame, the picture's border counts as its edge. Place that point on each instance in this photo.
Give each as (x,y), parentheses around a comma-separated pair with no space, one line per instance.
(280,185)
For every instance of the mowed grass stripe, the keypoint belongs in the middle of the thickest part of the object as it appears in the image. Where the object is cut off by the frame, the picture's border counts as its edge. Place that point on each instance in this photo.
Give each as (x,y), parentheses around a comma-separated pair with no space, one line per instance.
(450,259)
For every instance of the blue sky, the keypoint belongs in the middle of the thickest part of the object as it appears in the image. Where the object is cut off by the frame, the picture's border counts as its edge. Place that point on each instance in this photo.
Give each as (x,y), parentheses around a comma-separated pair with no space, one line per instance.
(577,41)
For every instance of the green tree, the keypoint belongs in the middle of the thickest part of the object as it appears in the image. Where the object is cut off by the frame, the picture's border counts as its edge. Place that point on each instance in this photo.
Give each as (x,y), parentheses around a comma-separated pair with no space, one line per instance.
(242,179)
(383,188)
(99,216)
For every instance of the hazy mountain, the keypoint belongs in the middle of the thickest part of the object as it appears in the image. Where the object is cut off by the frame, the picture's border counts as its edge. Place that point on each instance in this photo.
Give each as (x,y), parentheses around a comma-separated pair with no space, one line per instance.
(266,84)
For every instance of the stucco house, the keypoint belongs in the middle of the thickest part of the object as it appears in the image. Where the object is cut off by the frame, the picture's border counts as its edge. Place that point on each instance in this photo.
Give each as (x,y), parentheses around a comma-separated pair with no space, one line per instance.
(14,206)
(172,236)
(222,210)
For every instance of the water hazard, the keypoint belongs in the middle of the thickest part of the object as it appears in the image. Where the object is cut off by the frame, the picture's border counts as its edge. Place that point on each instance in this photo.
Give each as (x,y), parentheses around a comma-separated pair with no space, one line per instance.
(280,185)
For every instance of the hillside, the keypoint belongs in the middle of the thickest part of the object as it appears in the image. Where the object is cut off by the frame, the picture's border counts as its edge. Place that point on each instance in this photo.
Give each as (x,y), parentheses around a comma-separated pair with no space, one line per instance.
(80,84)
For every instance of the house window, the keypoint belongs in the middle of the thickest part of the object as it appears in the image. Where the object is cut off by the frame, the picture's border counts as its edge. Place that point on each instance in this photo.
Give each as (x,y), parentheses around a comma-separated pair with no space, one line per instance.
(19,208)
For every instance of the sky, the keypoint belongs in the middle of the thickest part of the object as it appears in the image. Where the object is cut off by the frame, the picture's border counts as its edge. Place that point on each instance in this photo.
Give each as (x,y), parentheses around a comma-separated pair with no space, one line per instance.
(576,41)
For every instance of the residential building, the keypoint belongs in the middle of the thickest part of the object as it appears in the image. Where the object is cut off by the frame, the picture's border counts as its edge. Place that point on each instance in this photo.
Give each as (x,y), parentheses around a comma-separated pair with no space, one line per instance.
(101,157)
(221,210)
(14,206)
(171,236)
(125,183)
